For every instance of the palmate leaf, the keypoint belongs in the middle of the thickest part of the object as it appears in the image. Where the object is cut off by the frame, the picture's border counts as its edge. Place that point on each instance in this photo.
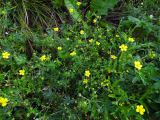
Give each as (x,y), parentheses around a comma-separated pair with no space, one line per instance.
(102,6)
(75,14)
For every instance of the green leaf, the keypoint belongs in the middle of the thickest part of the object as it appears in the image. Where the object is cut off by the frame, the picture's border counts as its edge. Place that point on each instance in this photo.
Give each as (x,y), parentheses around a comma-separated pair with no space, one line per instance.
(1,77)
(112,96)
(102,6)
(157,85)
(20,59)
(75,14)
(58,3)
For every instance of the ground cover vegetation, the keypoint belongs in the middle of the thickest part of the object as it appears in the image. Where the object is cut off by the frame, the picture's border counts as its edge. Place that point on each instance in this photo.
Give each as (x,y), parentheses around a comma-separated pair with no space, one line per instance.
(85,60)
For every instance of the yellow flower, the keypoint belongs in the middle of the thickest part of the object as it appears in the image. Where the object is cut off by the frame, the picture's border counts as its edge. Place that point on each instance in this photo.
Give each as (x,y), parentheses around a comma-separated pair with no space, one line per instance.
(98,16)
(94,20)
(56,29)
(137,65)
(117,35)
(73,53)
(97,43)
(43,58)
(59,48)
(81,32)
(123,47)
(140,109)
(87,73)
(113,57)
(5,55)
(21,72)
(71,10)
(130,39)
(91,40)
(85,81)
(3,101)
(78,3)
(152,54)
(121,104)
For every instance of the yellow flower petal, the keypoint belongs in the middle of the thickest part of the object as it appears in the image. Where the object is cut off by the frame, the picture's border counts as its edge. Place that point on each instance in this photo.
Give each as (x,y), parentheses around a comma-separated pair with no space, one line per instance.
(22,72)
(113,57)
(73,53)
(78,3)
(59,48)
(130,39)
(97,43)
(5,55)
(85,81)
(91,40)
(3,101)
(140,109)
(123,47)
(94,21)
(137,65)
(87,73)
(71,10)
(56,29)
(43,58)
(81,32)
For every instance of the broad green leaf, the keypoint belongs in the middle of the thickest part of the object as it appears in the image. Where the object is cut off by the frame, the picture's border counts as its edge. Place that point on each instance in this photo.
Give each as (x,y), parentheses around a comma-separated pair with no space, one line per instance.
(75,14)
(102,6)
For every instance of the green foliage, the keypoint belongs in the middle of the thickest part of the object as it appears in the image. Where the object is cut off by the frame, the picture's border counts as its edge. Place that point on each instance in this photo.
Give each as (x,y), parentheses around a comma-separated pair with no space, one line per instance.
(58,3)
(101,7)
(83,70)
(55,85)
